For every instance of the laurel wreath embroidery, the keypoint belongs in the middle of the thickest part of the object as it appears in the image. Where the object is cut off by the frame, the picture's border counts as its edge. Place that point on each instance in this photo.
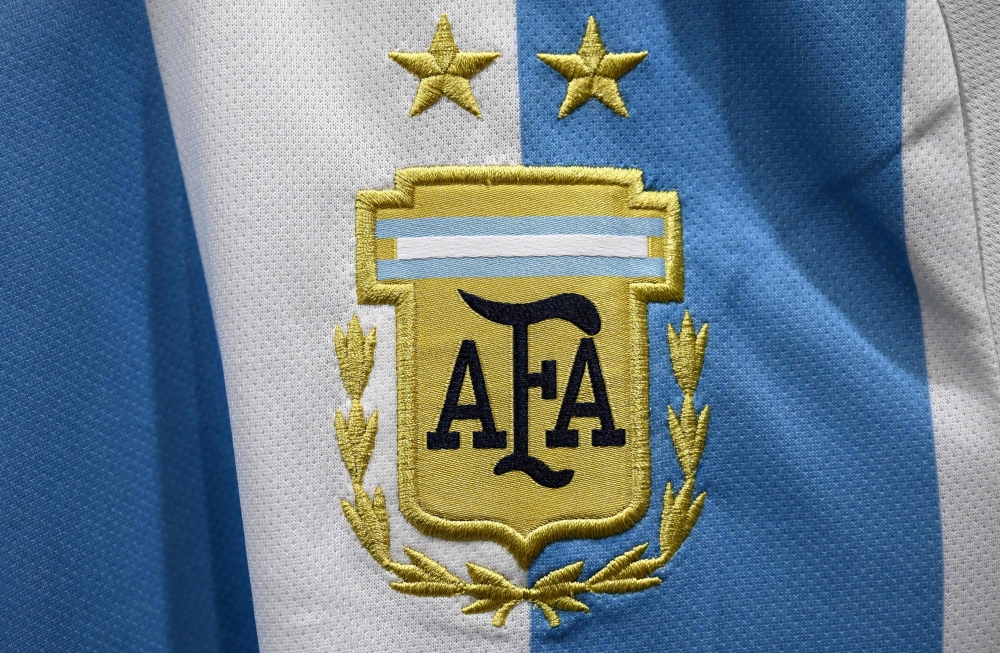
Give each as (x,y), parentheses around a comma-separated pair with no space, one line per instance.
(491,591)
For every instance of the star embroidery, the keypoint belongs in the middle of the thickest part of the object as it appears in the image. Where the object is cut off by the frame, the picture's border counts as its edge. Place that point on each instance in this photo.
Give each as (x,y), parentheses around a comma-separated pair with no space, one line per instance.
(593,72)
(444,71)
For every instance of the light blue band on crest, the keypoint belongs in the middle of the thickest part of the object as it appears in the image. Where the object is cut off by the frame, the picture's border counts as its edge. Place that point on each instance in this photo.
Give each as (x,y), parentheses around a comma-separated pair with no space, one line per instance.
(521,266)
(539,226)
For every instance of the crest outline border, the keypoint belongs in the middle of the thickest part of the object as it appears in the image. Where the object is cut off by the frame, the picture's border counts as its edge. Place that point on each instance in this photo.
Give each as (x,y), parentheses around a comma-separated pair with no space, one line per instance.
(400,295)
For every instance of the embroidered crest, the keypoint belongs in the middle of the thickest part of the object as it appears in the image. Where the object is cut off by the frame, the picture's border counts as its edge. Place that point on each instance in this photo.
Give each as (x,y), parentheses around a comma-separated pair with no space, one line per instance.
(522,371)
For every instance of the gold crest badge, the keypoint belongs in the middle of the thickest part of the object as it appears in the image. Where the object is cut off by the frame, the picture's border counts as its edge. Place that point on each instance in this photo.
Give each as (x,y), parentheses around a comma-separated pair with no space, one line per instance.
(522,371)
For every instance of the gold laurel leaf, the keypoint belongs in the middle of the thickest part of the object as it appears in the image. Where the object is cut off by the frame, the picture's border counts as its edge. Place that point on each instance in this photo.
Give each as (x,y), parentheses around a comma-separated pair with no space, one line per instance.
(641,568)
(381,524)
(693,513)
(366,445)
(352,519)
(426,588)
(569,603)
(701,435)
(687,352)
(433,568)
(621,562)
(482,605)
(356,356)
(410,573)
(363,506)
(566,574)
(344,443)
(500,618)
(485,576)
(495,592)
(625,585)
(550,615)
(676,428)
(674,523)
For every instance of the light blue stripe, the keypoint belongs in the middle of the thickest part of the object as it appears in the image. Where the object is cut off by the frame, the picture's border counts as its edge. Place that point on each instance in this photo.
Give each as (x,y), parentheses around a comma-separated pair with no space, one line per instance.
(821,530)
(120,523)
(521,266)
(596,226)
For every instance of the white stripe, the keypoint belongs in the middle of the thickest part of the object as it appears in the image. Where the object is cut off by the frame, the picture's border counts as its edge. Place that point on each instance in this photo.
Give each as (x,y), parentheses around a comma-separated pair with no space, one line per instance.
(961,359)
(282,111)
(974,28)
(491,246)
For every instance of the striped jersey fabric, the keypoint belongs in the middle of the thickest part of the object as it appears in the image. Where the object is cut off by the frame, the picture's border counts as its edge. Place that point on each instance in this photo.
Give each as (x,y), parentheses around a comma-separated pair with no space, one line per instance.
(178,195)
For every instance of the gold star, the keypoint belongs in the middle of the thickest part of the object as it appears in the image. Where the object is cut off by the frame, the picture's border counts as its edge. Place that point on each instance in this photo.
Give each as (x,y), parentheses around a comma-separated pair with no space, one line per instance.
(444,71)
(593,72)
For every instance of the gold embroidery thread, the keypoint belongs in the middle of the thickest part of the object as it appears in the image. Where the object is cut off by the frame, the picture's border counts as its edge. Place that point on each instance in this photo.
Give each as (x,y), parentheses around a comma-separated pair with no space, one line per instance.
(593,72)
(444,71)
(492,592)
(552,191)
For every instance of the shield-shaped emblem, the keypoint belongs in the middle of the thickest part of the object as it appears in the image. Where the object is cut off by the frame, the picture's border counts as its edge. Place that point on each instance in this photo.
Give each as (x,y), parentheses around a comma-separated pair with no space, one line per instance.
(521,344)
